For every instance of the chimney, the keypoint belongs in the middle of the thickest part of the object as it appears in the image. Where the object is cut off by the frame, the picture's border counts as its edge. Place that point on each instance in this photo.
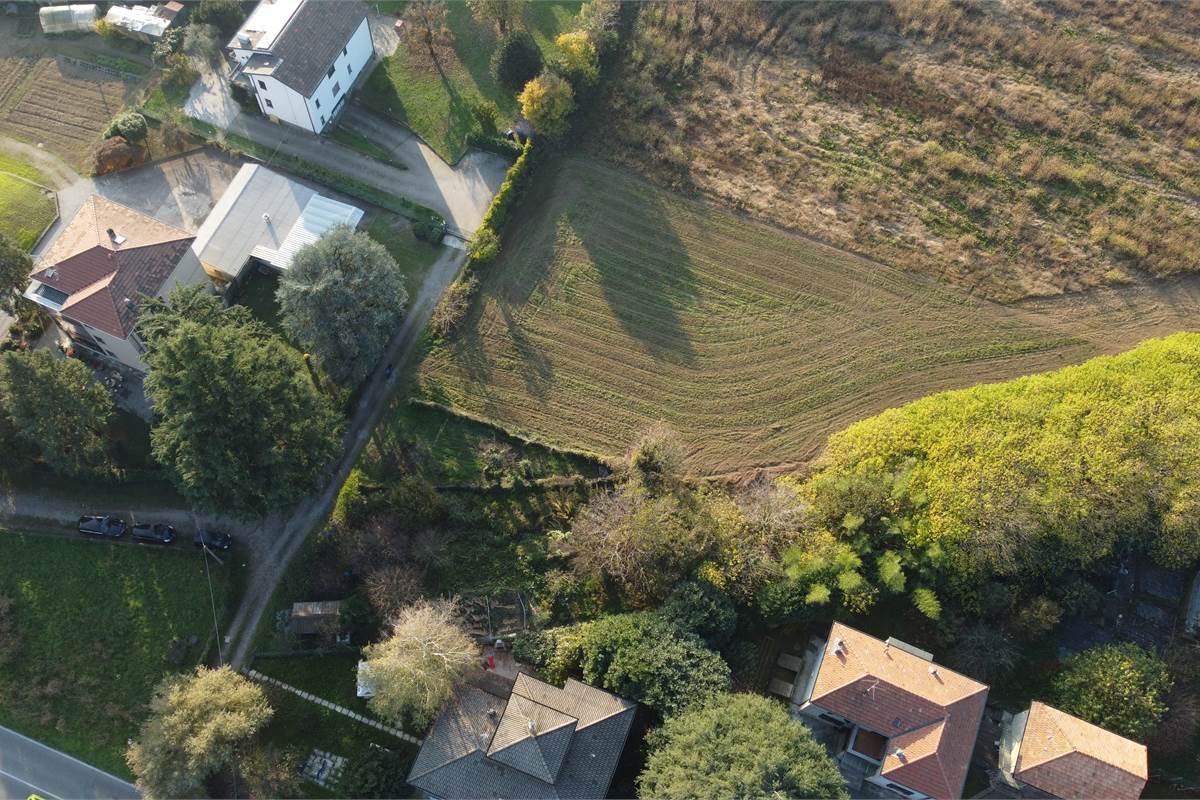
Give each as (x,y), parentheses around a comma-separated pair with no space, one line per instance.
(899,754)
(933,670)
(532,728)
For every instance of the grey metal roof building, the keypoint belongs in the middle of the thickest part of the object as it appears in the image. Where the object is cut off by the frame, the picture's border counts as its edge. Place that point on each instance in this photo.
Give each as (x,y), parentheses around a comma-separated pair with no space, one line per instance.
(268,217)
(543,742)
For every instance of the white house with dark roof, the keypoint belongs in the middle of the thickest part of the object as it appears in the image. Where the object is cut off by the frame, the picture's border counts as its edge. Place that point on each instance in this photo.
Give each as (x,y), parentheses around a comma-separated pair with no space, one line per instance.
(540,741)
(300,58)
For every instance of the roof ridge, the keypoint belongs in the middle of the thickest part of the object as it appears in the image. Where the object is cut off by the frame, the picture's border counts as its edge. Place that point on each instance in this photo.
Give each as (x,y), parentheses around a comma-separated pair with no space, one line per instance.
(92,288)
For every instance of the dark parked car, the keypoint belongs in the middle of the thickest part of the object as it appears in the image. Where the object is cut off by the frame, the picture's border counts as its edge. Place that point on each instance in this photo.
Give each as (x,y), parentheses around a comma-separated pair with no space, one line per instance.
(213,540)
(157,533)
(102,526)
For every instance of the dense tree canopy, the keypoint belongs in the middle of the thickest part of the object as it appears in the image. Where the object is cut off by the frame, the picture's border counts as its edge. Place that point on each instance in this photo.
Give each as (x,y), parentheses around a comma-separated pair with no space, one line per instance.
(238,418)
(640,657)
(15,266)
(195,723)
(54,404)
(701,608)
(579,61)
(501,13)
(1027,479)
(341,300)
(516,60)
(737,746)
(547,101)
(1120,687)
(417,667)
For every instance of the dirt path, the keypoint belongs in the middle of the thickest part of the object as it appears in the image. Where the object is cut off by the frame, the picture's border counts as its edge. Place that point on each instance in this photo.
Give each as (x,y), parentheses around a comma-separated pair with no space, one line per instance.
(286,536)
(60,174)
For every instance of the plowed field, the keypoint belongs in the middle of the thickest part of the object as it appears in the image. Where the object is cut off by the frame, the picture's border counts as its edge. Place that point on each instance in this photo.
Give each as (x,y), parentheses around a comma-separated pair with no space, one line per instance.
(616,304)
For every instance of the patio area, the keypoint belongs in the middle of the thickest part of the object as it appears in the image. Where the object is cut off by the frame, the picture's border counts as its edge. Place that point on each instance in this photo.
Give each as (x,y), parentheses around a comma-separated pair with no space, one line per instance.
(124,383)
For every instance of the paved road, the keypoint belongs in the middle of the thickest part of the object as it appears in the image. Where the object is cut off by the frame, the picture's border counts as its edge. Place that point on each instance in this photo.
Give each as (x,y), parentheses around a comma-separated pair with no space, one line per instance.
(286,536)
(460,193)
(28,767)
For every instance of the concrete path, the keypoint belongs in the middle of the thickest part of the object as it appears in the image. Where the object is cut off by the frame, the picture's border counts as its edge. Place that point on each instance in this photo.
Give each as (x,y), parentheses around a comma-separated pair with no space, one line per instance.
(28,767)
(312,698)
(287,536)
(460,193)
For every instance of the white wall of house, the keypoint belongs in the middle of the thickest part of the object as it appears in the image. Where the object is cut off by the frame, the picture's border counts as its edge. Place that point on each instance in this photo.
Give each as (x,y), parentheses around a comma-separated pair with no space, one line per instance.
(343,73)
(283,102)
(123,350)
(314,113)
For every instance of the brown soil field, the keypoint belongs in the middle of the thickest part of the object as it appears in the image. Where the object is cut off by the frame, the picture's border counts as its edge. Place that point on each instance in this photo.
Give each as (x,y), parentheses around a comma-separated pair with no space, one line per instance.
(64,106)
(1014,148)
(616,304)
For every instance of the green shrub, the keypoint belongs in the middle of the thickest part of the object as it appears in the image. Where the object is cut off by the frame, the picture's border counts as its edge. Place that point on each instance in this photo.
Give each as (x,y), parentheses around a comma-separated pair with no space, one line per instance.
(179,72)
(516,60)
(484,246)
(701,608)
(1120,687)
(487,114)
(129,124)
(358,499)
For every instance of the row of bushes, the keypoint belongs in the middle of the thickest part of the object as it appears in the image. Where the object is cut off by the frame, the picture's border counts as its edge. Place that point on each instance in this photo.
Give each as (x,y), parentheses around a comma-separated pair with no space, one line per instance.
(499,145)
(515,183)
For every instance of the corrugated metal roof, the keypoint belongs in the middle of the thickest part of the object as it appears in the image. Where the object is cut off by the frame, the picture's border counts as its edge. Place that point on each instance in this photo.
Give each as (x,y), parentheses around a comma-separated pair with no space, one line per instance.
(267,216)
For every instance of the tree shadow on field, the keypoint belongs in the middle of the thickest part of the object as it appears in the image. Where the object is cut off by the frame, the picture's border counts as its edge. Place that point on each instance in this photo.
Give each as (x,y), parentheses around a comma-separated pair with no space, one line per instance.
(535,368)
(644,267)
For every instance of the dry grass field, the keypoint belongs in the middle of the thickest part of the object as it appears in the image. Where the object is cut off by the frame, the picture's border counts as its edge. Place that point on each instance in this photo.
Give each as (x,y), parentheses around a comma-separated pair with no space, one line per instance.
(62,105)
(1015,148)
(616,304)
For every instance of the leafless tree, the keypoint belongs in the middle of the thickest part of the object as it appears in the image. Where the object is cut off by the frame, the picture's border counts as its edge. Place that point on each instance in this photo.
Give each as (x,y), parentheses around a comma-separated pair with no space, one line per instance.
(417,668)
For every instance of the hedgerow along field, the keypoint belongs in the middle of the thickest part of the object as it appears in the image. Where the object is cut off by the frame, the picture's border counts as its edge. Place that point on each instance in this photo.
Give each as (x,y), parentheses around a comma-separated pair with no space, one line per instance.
(615,304)
(92,623)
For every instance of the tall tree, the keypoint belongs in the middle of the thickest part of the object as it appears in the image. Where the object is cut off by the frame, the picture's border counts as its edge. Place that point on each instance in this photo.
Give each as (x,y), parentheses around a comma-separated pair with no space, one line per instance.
(428,20)
(501,13)
(547,101)
(195,725)
(341,300)
(238,419)
(737,745)
(1120,687)
(15,266)
(55,405)
(419,665)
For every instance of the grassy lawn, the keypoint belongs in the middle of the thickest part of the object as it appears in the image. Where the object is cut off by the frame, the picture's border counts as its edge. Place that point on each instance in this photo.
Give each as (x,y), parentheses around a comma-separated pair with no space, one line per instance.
(94,621)
(414,256)
(448,448)
(615,304)
(307,726)
(437,105)
(356,141)
(25,210)
(332,676)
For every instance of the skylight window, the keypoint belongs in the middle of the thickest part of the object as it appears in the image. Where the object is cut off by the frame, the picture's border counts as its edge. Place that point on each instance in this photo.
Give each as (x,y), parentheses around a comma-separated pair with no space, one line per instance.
(49,293)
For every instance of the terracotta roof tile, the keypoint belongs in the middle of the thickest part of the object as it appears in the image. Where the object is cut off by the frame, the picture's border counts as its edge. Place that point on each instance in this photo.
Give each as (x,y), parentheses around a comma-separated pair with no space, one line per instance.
(98,275)
(929,712)
(1070,758)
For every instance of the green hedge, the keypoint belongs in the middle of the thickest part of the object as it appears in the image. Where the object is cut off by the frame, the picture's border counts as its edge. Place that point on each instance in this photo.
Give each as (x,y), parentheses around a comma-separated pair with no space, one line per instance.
(485,245)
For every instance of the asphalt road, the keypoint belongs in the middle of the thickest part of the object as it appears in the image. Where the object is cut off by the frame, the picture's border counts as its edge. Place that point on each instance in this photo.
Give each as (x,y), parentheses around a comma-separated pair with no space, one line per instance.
(28,767)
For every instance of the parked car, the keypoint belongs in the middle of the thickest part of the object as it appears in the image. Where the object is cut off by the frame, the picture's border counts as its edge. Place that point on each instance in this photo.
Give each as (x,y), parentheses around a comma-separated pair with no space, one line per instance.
(102,526)
(156,533)
(213,540)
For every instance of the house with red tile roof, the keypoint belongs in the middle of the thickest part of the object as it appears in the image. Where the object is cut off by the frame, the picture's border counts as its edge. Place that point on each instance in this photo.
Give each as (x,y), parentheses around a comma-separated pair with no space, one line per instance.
(1060,755)
(95,276)
(904,724)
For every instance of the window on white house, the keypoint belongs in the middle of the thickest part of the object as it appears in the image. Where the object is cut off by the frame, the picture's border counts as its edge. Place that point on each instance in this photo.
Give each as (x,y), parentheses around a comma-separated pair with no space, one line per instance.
(269,103)
(348,70)
(337,89)
(322,119)
(261,85)
(344,52)
(330,73)
(318,102)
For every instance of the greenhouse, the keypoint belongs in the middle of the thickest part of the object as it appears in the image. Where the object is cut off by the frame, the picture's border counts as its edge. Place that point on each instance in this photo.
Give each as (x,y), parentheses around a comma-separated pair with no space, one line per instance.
(68,19)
